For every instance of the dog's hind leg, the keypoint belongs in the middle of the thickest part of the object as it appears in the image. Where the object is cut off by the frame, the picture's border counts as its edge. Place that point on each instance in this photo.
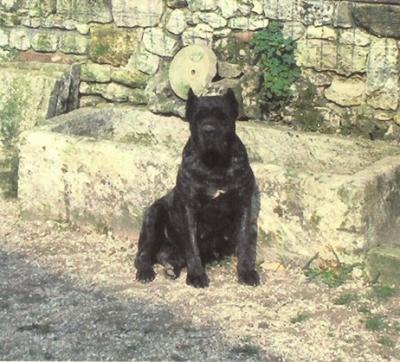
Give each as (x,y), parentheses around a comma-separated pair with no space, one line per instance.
(150,240)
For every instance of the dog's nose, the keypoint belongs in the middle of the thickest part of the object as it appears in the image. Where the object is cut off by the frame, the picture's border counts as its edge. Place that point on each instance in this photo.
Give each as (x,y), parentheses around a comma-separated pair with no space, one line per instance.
(208,129)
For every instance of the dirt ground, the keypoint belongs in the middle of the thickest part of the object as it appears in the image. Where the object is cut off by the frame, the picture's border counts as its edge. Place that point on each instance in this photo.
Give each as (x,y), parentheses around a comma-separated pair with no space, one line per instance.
(69,294)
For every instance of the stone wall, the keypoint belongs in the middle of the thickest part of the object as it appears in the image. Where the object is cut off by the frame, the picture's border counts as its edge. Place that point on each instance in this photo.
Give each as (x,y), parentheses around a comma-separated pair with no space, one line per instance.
(348,53)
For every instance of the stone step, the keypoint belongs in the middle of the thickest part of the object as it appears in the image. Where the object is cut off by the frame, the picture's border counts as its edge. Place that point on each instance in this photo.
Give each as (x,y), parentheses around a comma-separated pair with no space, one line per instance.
(103,166)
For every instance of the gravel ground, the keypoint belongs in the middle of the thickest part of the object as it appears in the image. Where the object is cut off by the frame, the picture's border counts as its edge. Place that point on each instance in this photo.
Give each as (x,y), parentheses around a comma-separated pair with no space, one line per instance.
(69,294)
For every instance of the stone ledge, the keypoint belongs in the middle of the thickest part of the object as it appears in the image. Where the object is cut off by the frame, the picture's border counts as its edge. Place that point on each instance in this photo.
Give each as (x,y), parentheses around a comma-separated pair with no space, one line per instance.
(104,166)
(383,265)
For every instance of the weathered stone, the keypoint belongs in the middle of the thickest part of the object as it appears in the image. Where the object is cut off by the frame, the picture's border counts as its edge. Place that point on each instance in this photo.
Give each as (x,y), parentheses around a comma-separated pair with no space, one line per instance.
(220,87)
(41,8)
(319,79)
(214,20)
(222,33)
(177,4)
(111,45)
(30,93)
(83,29)
(245,23)
(228,7)
(366,16)
(45,41)
(383,74)
(193,67)
(326,55)
(293,29)
(202,5)
(354,37)
(91,101)
(156,41)
(9,5)
(20,39)
(257,7)
(315,191)
(129,77)
(283,10)
(249,90)
(73,43)
(162,99)
(201,34)
(383,115)
(137,12)
(321,32)
(346,91)
(383,265)
(9,19)
(316,13)
(3,38)
(244,9)
(397,118)
(229,70)
(85,11)
(176,23)
(113,92)
(145,61)
(343,17)
(95,73)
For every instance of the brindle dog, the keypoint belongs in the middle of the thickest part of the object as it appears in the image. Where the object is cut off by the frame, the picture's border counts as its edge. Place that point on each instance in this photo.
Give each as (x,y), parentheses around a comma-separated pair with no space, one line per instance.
(212,211)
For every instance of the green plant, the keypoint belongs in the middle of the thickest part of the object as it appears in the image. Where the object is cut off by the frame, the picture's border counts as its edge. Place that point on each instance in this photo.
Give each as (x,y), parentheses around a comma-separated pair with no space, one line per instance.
(375,323)
(382,292)
(386,341)
(331,275)
(301,317)
(345,298)
(275,55)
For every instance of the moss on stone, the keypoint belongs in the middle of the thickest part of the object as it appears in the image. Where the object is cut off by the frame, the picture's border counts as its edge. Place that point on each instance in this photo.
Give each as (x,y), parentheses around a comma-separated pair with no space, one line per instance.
(111,45)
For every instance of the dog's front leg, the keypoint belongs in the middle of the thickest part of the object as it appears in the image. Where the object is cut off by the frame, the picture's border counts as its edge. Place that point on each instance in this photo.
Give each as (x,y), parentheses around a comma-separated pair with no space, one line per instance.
(246,234)
(196,275)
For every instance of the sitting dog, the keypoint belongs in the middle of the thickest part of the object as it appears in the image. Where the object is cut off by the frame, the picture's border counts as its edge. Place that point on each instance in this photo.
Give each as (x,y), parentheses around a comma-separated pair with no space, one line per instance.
(212,211)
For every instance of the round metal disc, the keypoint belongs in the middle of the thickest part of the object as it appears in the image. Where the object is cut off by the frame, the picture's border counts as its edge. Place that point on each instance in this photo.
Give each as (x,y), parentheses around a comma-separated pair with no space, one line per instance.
(193,67)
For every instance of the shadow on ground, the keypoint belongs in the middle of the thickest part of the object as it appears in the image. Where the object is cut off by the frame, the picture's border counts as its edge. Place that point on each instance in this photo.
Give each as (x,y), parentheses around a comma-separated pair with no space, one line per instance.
(45,317)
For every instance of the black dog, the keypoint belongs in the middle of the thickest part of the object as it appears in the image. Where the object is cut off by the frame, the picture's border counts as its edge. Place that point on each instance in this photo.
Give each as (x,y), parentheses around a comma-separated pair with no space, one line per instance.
(211,212)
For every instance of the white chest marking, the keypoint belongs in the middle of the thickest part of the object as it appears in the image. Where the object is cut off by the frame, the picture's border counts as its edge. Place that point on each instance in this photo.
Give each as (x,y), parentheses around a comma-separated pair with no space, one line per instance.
(218,193)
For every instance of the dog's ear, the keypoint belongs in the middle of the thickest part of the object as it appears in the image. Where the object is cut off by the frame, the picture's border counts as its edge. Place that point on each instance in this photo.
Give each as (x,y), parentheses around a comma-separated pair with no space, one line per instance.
(231,104)
(190,105)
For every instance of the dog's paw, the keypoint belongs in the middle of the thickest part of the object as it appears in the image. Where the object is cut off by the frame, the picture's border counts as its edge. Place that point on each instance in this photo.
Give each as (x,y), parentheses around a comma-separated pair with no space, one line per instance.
(145,276)
(249,277)
(197,281)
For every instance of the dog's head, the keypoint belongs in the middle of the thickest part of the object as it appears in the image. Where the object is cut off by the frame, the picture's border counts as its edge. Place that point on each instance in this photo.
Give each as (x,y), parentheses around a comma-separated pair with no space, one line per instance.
(212,124)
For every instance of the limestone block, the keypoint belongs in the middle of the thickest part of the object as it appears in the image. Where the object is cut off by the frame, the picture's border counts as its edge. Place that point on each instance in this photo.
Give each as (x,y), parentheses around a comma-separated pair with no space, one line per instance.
(20,39)
(144,61)
(176,23)
(99,167)
(130,77)
(74,43)
(85,11)
(201,34)
(346,91)
(45,41)
(202,5)
(383,74)
(248,23)
(95,73)
(354,37)
(41,8)
(321,32)
(3,37)
(366,15)
(229,70)
(30,93)
(214,20)
(137,12)
(228,7)
(158,42)
(283,10)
